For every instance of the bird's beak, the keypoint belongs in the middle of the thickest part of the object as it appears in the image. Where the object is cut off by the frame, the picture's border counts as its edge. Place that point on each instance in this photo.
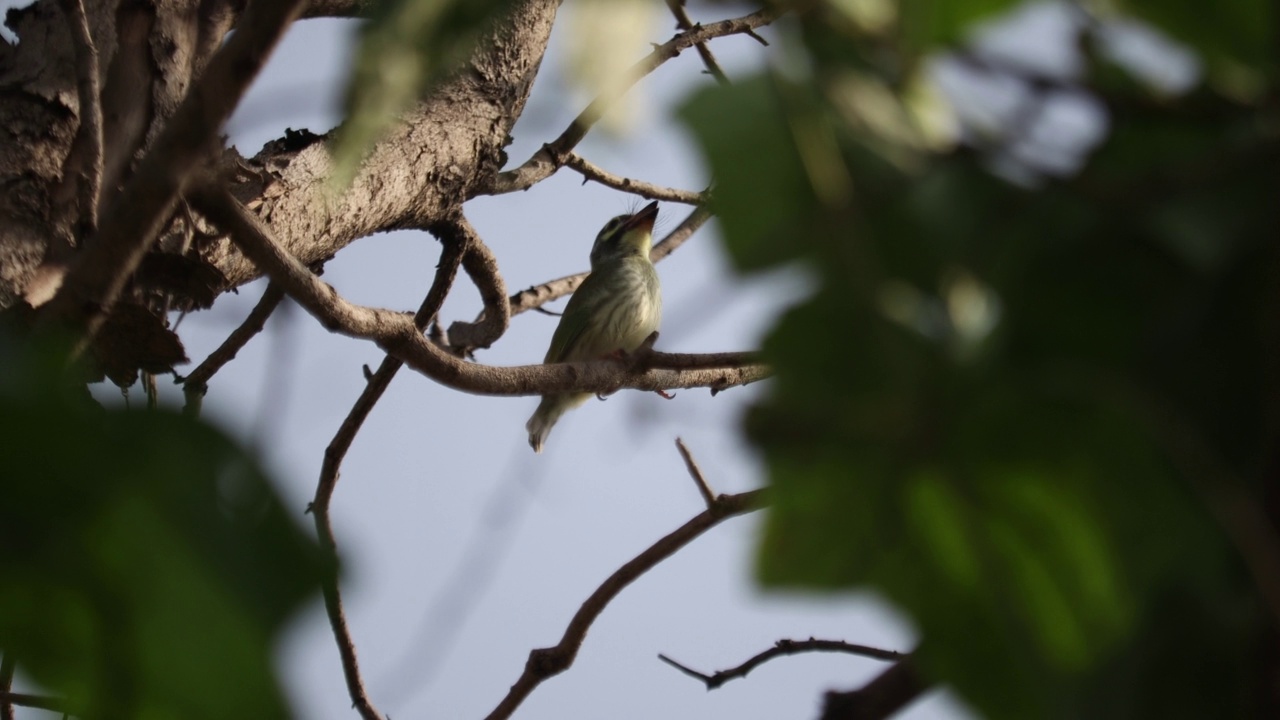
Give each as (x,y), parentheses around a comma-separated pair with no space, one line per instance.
(643,219)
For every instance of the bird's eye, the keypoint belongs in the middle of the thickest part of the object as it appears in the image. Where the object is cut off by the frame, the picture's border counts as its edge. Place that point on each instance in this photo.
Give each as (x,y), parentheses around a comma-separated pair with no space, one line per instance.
(612,226)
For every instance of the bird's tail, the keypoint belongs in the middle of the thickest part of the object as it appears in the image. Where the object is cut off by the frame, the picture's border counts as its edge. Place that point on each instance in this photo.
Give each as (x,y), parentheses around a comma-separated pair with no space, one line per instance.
(547,414)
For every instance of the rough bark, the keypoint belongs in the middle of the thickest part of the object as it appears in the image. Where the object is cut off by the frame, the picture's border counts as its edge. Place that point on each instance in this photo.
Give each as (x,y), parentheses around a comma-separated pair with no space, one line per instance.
(444,148)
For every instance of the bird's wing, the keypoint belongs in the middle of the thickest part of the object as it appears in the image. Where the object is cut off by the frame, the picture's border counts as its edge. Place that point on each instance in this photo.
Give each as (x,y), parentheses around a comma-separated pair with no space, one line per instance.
(573,323)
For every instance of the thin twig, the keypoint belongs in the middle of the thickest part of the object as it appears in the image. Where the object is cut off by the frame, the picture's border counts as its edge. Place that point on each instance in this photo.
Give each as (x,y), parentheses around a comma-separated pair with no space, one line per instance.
(696,473)
(779,649)
(547,662)
(648,191)
(84,161)
(7,669)
(482,267)
(134,219)
(684,23)
(883,697)
(535,297)
(456,245)
(196,384)
(553,155)
(396,333)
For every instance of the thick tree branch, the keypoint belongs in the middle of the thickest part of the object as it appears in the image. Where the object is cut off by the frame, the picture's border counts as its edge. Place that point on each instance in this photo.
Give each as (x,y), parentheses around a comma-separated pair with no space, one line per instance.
(648,191)
(422,169)
(781,648)
(684,23)
(83,167)
(396,333)
(547,662)
(135,218)
(338,8)
(554,154)
(196,384)
(889,692)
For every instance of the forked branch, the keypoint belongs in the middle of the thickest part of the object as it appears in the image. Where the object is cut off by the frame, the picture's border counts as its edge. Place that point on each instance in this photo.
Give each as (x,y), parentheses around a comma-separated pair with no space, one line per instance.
(547,662)
(781,648)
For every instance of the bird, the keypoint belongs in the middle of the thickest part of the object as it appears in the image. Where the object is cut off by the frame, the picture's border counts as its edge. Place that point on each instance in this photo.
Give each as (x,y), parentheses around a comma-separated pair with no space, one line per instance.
(615,309)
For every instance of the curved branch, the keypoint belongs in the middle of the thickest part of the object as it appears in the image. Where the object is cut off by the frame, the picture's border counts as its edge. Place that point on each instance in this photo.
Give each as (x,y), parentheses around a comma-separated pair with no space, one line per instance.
(554,154)
(779,649)
(547,662)
(648,191)
(456,241)
(397,334)
(196,384)
(482,268)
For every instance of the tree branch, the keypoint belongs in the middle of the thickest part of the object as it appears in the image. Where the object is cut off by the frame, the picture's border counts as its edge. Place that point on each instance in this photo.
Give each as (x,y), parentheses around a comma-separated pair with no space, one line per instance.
(889,692)
(456,238)
(547,662)
(482,268)
(554,154)
(781,648)
(696,473)
(82,170)
(648,191)
(137,215)
(196,384)
(396,333)
(684,23)
(40,702)
(338,9)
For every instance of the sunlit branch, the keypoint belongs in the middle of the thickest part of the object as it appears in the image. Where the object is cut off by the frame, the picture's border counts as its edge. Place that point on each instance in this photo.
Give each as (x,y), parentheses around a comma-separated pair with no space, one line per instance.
(648,191)
(684,23)
(553,155)
(396,333)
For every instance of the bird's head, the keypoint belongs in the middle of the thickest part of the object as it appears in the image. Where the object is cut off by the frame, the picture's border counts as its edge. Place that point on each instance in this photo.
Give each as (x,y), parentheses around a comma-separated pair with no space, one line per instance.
(625,235)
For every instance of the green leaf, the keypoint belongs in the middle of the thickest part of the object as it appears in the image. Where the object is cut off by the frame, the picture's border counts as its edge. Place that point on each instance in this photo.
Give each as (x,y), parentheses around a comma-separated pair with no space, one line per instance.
(148,563)
(764,193)
(1243,32)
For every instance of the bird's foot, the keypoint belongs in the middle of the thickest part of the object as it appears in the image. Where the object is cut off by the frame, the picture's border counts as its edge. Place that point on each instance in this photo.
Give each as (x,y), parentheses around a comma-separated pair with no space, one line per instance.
(665,395)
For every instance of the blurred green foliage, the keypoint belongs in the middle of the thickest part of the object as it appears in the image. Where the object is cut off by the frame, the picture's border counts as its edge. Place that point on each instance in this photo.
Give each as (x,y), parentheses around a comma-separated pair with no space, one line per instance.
(406,47)
(1028,411)
(146,565)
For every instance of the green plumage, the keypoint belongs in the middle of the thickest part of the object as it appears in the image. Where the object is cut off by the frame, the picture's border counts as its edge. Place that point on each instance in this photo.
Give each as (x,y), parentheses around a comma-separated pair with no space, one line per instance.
(616,308)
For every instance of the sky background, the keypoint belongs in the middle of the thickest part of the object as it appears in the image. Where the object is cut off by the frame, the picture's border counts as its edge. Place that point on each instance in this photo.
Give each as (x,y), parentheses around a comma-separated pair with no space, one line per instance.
(463,550)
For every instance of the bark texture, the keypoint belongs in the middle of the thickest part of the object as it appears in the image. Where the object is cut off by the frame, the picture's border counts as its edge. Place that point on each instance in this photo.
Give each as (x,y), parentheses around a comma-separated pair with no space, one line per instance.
(152,52)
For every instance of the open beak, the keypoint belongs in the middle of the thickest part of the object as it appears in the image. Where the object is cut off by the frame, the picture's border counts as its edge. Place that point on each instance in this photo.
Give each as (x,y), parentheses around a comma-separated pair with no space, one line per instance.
(644,218)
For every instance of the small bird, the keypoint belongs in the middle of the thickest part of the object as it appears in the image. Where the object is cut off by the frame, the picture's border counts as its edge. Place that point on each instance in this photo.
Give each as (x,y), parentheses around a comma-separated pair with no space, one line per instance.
(617,307)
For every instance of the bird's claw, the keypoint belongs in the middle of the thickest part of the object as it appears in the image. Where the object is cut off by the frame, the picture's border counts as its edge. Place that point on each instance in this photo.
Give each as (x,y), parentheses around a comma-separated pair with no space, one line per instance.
(665,395)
